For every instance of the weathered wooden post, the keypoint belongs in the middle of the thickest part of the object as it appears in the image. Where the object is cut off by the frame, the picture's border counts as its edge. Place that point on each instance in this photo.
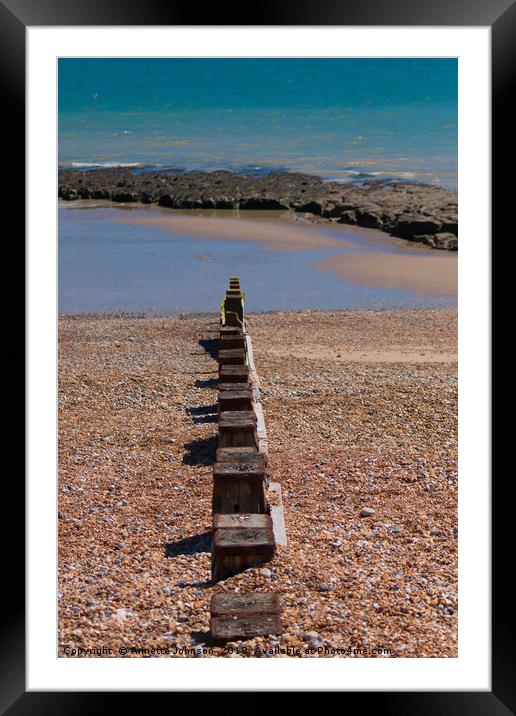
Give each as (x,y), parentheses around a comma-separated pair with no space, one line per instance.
(234,303)
(239,454)
(237,428)
(239,398)
(232,318)
(243,616)
(231,342)
(232,356)
(243,534)
(226,331)
(234,374)
(240,541)
(239,487)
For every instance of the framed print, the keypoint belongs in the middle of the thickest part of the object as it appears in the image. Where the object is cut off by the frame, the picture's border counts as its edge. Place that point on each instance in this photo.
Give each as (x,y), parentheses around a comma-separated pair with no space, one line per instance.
(258,365)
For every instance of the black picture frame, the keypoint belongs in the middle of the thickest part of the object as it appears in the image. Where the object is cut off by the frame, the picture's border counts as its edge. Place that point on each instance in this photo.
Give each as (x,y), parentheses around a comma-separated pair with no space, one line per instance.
(500,15)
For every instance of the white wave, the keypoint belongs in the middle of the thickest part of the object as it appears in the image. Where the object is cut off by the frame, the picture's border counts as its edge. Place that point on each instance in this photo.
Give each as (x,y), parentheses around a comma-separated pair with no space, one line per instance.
(109,165)
(362,172)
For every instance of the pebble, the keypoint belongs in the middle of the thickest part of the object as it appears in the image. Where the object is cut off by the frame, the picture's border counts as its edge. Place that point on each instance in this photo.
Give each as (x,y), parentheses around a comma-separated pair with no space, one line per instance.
(309,635)
(367,512)
(323,588)
(147,463)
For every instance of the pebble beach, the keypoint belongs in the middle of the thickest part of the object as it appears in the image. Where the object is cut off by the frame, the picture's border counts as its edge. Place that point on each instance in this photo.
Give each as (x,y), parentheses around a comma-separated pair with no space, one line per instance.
(361,414)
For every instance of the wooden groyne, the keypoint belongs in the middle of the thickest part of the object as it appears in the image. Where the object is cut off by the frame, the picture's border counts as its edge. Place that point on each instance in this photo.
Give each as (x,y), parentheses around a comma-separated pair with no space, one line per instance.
(246,529)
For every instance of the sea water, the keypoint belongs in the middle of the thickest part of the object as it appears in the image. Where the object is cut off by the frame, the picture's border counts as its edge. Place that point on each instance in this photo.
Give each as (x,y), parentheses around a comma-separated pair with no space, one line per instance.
(109,266)
(345,119)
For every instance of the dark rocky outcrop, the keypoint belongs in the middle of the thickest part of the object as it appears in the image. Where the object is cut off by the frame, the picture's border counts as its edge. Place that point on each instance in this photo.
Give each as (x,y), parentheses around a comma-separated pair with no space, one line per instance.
(408,226)
(440,241)
(416,212)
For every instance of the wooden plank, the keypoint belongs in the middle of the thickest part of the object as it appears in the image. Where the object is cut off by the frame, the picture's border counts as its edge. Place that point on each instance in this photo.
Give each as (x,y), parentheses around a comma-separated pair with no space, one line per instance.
(255,386)
(236,386)
(232,342)
(277,514)
(235,549)
(235,400)
(232,353)
(237,428)
(234,374)
(233,627)
(252,366)
(237,390)
(236,433)
(234,356)
(260,421)
(242,520)
(245,494)
(233,318)
(250,468)
(278,525)
(234,304)
(262,446)
(227,565)
(237,419)
(245,437)
(238,454)
(230,331)
(244,603)
(257,541)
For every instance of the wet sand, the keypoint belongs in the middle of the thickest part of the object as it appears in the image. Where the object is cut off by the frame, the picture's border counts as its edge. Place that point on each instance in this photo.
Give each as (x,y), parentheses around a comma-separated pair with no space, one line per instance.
(275,232)
(395,264)
(115,258)
(421,272)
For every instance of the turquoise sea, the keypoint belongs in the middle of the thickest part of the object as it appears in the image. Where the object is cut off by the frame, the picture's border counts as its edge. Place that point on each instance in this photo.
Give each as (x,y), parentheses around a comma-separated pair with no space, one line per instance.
(346,119)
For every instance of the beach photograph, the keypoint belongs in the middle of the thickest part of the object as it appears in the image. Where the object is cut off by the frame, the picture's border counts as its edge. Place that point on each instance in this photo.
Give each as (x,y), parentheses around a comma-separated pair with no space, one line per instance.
(257,358)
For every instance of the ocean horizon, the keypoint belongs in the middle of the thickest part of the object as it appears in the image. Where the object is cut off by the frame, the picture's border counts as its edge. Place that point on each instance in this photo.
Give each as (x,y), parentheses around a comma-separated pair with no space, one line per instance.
(342,119)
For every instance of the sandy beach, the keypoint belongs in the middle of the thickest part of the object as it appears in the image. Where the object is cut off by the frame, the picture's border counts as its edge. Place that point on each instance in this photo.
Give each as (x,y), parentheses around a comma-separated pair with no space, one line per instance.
(361,412)
(274,230)
(409,267)
(422,273)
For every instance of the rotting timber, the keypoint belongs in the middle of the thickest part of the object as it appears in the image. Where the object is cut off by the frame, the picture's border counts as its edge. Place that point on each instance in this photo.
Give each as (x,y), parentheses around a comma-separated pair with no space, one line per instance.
(243,529)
